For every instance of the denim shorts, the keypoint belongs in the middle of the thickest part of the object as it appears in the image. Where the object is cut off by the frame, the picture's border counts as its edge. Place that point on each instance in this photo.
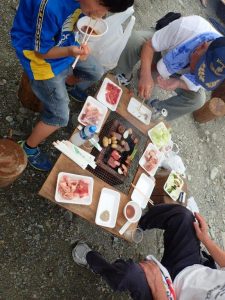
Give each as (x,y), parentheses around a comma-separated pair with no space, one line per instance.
(53,94)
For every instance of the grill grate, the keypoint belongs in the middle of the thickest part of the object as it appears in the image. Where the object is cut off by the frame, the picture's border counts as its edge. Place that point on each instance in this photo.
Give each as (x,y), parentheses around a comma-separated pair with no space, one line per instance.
(105,172)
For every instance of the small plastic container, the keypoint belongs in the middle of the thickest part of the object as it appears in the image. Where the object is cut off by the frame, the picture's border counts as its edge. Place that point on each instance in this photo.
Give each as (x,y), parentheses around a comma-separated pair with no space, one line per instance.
(159,129)
(174,180)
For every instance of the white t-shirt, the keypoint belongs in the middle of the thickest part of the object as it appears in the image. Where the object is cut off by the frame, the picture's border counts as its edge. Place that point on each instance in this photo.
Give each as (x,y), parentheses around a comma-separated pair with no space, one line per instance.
(200,283)
(176,33)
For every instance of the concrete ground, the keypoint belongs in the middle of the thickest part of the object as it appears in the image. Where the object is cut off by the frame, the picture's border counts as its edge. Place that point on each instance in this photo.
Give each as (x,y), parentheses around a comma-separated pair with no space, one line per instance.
(36,236)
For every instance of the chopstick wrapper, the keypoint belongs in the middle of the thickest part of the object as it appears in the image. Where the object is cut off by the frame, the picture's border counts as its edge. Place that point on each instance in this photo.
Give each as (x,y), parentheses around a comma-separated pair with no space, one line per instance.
(76,154)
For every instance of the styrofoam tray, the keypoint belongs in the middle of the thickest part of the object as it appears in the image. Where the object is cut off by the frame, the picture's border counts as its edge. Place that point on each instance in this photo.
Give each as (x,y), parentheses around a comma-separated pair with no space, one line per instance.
(140,112)
(159,127)
(102,109)
(101,94)
(175,193)
(82,201)
(159,155)
(109,200)
(146,185)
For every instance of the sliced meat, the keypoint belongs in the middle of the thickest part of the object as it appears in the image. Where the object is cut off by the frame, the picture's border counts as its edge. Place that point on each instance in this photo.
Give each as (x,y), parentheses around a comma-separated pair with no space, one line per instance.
(92,115)
(71,188)
(115,155)
(112,93)
(113,163)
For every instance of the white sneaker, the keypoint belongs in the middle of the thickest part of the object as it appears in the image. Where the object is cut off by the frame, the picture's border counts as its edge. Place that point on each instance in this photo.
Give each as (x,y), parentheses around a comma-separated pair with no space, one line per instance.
(122,80)
(79,254)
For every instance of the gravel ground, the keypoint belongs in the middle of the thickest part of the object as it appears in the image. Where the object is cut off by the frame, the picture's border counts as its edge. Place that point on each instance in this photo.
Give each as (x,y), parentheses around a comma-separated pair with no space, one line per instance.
(36,236)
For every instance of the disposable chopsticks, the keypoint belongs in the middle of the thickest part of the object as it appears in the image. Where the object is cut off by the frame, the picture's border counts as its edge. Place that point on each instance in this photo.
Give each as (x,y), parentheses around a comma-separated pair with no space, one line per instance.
(79,161)
(87,156)
(85,39)
(139,191)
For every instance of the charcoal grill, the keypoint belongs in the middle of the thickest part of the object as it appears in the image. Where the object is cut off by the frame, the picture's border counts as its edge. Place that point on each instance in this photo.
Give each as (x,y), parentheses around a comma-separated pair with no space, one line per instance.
(105,172)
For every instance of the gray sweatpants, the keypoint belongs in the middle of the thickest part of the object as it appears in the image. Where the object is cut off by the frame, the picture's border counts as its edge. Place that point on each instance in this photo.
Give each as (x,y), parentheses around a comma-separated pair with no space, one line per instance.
(184,102)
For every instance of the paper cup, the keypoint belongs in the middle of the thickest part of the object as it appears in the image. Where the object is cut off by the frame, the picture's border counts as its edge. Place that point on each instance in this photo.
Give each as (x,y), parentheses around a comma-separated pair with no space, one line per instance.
(132,212)
(100,27)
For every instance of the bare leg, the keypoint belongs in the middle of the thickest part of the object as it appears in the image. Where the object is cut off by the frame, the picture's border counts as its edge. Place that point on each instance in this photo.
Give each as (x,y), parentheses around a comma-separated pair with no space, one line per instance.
(40,132)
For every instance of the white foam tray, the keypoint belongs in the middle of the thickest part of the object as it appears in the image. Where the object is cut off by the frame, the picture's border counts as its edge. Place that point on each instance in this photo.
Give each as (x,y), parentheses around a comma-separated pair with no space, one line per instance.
(102,108)
(77,200)
(159,155)
(140,112)
(101,94)
(109,200)
(146,185)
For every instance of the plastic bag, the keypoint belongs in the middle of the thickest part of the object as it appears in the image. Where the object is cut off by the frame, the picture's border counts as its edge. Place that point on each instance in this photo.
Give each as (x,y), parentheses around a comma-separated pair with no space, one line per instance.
(174,162)
(108,49)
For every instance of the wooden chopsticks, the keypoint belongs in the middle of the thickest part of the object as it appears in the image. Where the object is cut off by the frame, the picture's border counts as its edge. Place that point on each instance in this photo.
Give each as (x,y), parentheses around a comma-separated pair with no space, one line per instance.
(139,191)
(85,39)
(143,100)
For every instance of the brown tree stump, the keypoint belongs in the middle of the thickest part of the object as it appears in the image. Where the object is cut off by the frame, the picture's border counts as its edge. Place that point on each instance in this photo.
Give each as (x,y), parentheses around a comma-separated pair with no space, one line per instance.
(13,161)
(26,95)
(212,109)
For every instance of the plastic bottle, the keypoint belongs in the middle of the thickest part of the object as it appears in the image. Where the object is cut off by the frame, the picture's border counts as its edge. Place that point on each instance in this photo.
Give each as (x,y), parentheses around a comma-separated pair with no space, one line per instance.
(160,115)
(83,135)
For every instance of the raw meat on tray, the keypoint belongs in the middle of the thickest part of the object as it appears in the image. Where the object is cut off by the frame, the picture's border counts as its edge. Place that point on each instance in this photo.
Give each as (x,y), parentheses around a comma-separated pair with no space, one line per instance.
(151,160)
(70,188)
(112,93)
(91,115)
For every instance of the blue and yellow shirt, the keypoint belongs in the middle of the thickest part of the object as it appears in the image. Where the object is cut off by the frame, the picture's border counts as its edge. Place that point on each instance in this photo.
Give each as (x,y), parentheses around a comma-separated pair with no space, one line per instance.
(40,25)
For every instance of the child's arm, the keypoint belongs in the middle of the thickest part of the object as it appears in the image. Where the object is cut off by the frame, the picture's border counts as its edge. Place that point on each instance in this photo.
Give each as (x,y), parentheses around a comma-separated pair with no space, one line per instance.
(201,229)
(58,52)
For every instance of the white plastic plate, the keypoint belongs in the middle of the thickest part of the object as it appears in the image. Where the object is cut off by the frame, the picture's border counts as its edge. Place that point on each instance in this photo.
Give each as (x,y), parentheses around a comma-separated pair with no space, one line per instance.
(109,200)
(102,92)
(170,181)
(77,200)
(160,127)
(146,185)
(159,155)
(140,112)
(95,104)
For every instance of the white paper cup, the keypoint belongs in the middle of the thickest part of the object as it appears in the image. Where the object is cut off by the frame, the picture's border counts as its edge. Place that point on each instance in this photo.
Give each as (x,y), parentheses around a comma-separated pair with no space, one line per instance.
(132,212)
(100,27)
(135,208)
